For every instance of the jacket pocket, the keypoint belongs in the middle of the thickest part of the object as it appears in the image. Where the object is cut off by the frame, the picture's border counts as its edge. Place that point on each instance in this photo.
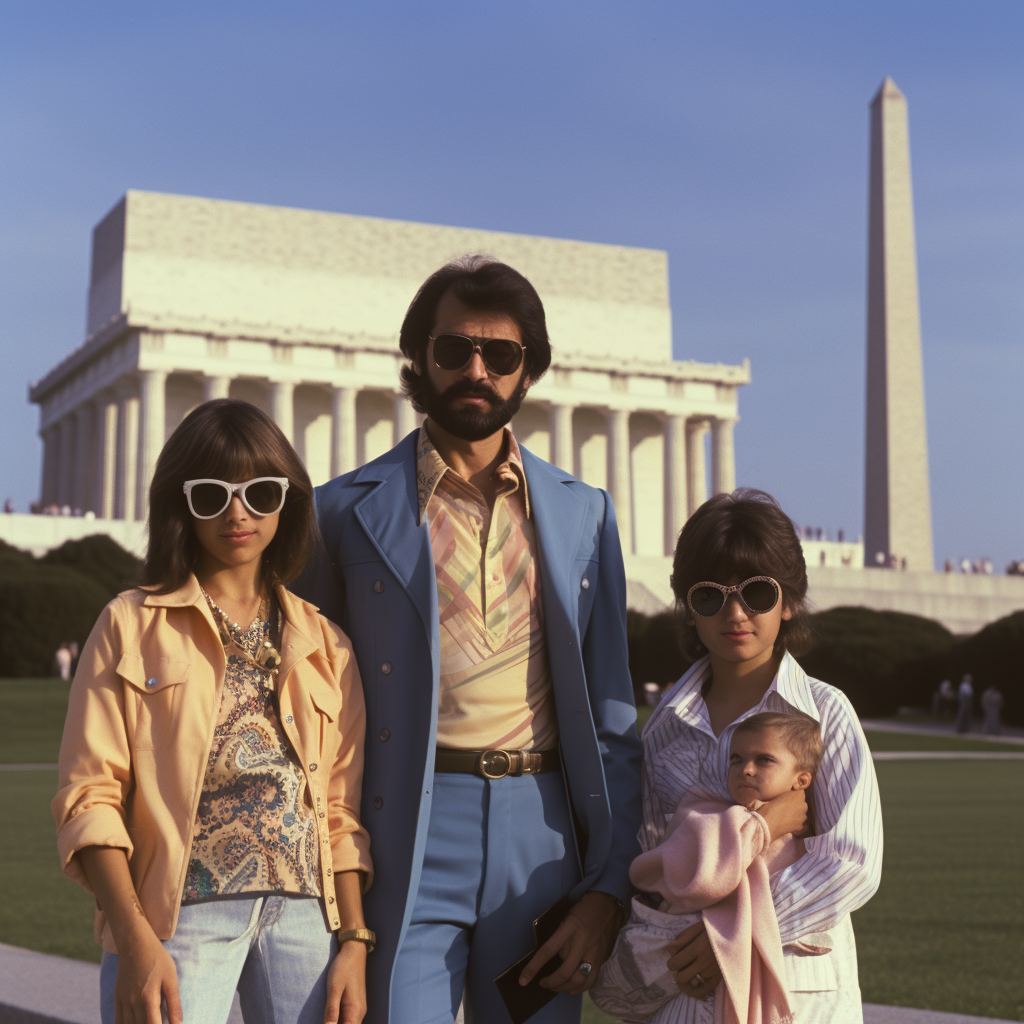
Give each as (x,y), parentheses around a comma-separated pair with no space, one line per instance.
(153,698)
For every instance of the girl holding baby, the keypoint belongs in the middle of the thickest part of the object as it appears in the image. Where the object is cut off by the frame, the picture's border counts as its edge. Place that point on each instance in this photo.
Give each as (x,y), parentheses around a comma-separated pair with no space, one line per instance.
(754,854)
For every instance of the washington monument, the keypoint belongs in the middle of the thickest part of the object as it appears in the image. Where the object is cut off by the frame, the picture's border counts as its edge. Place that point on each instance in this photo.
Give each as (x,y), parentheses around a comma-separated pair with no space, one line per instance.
(897,507)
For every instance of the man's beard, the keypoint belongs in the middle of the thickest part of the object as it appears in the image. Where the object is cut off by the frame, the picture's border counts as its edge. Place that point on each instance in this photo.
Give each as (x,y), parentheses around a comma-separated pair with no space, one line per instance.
(469,422)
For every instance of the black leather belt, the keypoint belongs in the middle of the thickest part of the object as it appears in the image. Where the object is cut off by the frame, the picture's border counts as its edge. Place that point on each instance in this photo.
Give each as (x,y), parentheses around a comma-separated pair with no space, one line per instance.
(496,764)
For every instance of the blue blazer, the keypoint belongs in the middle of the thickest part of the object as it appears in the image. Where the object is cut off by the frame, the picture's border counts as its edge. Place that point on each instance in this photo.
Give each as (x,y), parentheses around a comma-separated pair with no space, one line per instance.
(378,583)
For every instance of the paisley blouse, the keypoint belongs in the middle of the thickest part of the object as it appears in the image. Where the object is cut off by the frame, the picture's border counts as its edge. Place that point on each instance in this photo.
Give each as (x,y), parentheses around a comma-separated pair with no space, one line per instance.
(255,831)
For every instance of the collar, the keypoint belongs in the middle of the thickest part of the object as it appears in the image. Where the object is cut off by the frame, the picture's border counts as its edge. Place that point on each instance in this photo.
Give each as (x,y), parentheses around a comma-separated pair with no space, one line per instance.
(430,468)
(300,615)
(686,704)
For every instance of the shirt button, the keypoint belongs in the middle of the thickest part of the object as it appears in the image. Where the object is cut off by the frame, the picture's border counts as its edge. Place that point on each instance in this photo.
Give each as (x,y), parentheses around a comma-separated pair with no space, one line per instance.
(322,815)
(585,584)
(289,719)
(330,899)
(378,586)
(151,683)
(312,767)
(385,735)
(386,668)
(378,803)
(329,872)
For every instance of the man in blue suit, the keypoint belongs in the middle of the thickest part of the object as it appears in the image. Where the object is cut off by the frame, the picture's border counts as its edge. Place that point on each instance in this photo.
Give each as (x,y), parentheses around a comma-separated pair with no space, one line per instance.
(484,593)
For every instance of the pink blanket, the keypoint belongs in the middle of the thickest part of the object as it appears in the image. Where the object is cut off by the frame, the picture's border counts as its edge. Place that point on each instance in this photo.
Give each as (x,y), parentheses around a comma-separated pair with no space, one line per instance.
(709,861)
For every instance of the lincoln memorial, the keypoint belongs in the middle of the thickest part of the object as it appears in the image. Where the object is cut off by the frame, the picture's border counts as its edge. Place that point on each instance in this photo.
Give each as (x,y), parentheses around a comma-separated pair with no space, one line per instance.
(298,312)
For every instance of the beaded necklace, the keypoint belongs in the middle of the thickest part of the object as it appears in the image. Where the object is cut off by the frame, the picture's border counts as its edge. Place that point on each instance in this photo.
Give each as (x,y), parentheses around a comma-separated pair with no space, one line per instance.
(254,642)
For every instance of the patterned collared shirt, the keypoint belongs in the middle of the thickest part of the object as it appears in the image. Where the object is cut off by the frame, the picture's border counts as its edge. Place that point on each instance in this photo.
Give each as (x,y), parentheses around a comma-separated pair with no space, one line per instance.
(495,688)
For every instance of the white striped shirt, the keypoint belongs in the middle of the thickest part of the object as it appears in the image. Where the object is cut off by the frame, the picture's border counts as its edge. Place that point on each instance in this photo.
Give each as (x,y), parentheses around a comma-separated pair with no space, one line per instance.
(843,864)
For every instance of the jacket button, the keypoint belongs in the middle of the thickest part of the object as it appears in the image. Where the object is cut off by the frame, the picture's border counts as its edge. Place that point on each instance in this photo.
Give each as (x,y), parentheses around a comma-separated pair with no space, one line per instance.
(289,719)
(151,683)
(312,767)
(585,584)
(378,586)
(385,735)
(386,668)
(378,803)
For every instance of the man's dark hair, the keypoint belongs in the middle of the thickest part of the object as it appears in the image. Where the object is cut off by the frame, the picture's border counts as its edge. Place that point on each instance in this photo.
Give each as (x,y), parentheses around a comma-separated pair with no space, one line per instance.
(733,537)
(482,283)
(228,440)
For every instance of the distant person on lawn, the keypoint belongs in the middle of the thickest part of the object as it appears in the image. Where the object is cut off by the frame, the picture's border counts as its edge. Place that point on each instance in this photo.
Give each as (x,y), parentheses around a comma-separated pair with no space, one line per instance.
(965,702)
(211,767)
(992,705)
(740,583)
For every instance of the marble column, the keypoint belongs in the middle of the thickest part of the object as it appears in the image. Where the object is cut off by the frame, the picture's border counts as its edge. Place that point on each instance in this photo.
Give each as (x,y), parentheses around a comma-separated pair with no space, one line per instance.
(696,470)
(405,417)
(282,406)
(676,510)
(105,473)
(152,427)
(723,456)
(216,387)
(619,483)
(560,426)
(343,430)
(85,458)
(127,454)
(51,462)
(66,463)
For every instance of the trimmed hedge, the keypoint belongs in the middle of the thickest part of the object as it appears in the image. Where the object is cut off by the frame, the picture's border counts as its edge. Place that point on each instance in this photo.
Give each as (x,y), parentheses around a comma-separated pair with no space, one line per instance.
(881,660)
(56,599)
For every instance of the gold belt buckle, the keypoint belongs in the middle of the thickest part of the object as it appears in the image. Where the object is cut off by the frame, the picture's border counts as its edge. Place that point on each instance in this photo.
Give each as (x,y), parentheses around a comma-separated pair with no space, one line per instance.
(486,763)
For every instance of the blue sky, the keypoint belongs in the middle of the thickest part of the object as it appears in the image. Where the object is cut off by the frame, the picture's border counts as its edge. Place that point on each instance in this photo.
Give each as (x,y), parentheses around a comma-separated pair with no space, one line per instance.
(731,134)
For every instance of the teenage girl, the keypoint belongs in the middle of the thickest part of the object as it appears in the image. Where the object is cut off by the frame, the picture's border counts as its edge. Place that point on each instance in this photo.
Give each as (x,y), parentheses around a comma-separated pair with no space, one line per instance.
(212,758)
(740,585)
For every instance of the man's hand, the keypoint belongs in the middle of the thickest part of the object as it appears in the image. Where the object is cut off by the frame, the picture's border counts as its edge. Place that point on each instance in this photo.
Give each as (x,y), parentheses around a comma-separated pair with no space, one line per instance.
(146,975)
(693,960)
(585,936)
(786,813)
(346,985)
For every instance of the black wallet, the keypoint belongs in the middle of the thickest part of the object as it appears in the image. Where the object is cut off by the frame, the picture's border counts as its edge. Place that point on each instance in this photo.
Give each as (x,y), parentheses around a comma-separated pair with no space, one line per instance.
(523,1001)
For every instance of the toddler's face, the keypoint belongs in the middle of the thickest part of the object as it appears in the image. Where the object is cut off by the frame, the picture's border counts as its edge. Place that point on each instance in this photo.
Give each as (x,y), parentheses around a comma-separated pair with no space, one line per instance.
(761,767)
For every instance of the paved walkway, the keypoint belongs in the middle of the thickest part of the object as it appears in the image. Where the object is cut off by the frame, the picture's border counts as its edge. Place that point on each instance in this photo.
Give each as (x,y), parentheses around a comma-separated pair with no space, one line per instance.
(1010,734)
(36,988)
(947,755)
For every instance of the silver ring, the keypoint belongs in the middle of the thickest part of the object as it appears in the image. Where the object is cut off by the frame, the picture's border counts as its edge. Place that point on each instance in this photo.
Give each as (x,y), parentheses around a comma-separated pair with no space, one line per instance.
(585,969)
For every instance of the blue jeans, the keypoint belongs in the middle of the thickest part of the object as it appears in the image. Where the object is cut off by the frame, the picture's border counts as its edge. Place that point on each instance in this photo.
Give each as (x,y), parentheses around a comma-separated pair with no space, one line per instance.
(498,854)
(274,949)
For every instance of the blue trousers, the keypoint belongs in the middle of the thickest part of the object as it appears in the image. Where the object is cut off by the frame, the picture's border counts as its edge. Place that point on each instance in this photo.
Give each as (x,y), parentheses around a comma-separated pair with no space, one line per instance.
(499,853)
(274,949)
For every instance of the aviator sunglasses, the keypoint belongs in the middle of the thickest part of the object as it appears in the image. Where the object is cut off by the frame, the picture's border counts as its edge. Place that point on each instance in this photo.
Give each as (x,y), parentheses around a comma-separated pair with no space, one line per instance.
(262,496)
(500,355)
(758,595)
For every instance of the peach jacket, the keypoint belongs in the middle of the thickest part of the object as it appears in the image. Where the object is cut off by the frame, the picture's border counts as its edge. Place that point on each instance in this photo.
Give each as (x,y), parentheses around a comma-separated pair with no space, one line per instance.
(139,729)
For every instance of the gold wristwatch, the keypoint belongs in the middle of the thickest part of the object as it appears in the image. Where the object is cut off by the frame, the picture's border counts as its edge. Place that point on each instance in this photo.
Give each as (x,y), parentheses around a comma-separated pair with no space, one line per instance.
(363,935)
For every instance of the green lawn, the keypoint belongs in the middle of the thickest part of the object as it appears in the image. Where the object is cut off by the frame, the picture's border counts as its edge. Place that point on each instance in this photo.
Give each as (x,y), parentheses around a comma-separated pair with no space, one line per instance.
(944,932)
(31,719)
(40,909)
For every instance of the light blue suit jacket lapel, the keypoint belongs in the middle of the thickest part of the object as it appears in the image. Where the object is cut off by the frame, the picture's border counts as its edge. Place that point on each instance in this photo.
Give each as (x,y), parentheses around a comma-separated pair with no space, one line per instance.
(390,516)
(560,517)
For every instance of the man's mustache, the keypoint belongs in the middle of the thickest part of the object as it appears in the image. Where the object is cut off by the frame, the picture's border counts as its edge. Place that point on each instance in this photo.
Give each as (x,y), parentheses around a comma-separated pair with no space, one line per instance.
(470,389)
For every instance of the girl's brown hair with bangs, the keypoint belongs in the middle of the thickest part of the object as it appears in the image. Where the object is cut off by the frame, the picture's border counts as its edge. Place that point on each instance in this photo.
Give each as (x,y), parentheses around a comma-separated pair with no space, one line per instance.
(730,538)
(232,441)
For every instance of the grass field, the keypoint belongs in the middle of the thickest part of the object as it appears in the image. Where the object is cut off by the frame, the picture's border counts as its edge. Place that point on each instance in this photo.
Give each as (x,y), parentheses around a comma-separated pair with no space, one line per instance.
(944,932)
